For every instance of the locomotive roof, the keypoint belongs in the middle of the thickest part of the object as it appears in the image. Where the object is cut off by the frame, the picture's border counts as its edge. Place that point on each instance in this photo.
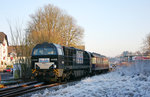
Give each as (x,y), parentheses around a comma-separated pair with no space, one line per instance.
(97,55)
(46,44)
(72,48)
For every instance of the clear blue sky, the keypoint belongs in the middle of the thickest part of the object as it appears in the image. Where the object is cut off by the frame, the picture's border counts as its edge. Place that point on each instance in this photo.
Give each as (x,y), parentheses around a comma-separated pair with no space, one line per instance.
(111,26)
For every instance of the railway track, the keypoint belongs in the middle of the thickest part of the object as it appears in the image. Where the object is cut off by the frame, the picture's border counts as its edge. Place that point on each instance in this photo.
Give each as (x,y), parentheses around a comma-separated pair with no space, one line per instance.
(25,88)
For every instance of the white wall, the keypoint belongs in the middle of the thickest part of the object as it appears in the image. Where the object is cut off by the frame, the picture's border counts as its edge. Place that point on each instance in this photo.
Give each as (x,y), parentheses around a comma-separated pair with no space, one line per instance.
(3,53)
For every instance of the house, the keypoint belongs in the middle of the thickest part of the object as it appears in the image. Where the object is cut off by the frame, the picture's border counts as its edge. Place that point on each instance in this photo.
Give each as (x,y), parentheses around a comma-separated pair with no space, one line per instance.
(3,50)
(12,55)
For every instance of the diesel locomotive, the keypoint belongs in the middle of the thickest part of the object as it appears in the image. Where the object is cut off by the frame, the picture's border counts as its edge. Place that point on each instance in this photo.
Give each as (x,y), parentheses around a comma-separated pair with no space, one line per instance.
(53,62)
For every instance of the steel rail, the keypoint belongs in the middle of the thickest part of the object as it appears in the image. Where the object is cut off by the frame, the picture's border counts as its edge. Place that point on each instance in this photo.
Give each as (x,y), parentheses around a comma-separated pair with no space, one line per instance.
(28,89)
(2,90)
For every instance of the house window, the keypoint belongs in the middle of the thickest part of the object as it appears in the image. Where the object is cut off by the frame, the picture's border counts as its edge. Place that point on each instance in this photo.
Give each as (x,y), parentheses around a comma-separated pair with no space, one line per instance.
(11,58)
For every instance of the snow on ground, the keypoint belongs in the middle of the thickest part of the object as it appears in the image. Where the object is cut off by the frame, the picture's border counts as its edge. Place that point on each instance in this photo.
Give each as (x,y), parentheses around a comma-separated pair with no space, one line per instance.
(133,81)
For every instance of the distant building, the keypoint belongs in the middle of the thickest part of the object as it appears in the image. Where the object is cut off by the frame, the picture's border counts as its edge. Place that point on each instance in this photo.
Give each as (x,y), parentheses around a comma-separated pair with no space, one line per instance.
(15,54)
(3,50)
(11,55)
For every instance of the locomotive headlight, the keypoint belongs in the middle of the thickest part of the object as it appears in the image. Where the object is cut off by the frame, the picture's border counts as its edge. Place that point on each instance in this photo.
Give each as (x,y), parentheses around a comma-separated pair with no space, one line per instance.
(54,66)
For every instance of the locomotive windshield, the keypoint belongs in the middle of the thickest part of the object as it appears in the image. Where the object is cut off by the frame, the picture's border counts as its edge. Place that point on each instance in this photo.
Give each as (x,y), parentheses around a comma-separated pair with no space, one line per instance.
(44,51)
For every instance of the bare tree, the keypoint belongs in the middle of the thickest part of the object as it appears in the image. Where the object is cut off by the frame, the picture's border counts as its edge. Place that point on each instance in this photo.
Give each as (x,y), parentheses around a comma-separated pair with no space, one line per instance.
(146,47)
(147,43)
(50,24)
(22,50)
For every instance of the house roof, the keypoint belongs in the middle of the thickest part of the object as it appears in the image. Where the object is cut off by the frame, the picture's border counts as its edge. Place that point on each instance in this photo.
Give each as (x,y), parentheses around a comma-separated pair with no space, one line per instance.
(11,49)
(2,37)
(15,49)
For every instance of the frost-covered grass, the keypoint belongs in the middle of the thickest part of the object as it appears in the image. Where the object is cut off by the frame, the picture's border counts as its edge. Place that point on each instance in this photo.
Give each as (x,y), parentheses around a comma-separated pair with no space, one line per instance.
(132,81)
(139,67)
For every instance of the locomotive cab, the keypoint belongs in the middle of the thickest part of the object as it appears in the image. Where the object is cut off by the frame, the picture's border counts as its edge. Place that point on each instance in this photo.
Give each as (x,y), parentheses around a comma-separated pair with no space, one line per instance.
(47,58)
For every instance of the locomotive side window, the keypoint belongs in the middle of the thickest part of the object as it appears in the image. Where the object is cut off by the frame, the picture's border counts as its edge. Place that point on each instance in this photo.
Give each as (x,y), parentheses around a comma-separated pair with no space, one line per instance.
(60,51)
(44,51)
(79,57)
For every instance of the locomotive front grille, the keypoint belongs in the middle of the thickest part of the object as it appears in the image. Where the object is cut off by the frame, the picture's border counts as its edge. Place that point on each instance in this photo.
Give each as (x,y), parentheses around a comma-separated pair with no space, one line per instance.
(39,65)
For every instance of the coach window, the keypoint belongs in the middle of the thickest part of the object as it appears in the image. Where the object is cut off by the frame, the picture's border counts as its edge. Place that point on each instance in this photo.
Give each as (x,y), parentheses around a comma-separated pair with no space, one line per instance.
(94,60)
